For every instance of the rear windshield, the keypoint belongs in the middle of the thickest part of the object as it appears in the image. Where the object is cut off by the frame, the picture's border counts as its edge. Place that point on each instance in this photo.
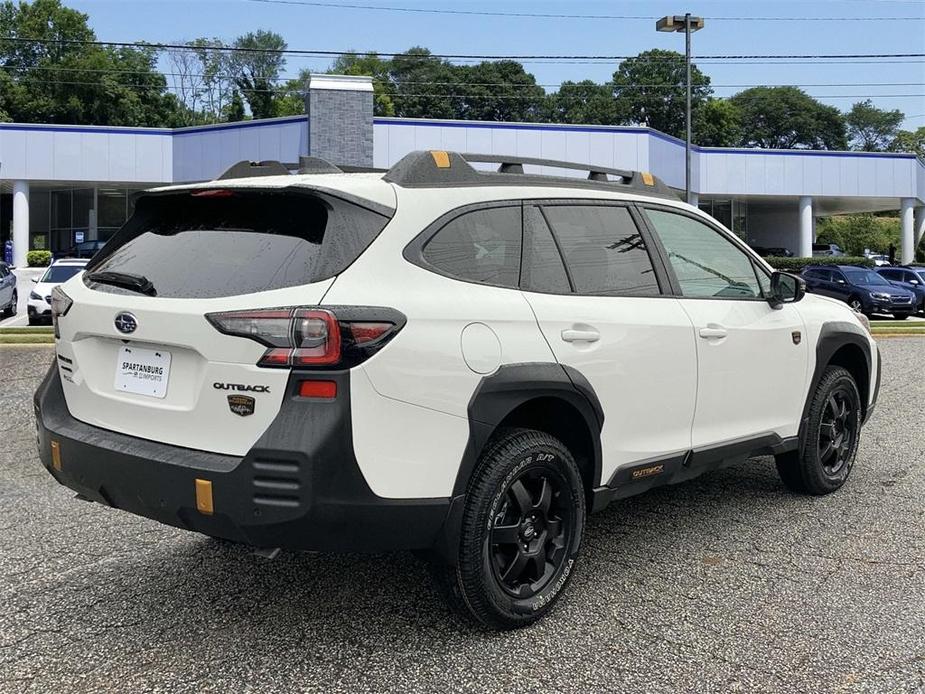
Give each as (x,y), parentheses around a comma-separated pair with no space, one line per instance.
(60,273)
(226,243)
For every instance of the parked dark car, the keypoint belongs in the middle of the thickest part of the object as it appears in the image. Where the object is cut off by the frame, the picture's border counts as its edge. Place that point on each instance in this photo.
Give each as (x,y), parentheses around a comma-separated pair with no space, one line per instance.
(773,252)
(827,249)
(909,278)
(86,249)
(861,288)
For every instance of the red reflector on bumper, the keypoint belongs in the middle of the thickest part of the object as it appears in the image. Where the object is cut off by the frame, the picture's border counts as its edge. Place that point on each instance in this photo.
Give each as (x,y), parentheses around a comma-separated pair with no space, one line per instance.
(318,389)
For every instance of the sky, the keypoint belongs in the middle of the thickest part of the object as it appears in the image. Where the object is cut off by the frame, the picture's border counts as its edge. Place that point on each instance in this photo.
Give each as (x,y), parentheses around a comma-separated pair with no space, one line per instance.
(854,26)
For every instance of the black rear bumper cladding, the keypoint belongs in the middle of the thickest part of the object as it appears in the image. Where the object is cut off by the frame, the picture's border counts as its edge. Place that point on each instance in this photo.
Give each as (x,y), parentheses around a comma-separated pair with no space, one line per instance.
(299,487)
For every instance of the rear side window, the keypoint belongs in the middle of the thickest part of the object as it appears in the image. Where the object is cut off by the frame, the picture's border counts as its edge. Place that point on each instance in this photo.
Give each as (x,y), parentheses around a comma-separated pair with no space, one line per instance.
(542,269)
(479,246)
(604,251)
(240,242)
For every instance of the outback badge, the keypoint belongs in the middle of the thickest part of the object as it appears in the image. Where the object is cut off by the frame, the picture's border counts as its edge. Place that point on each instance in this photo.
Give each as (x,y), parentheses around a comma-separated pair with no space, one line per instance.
(242,405)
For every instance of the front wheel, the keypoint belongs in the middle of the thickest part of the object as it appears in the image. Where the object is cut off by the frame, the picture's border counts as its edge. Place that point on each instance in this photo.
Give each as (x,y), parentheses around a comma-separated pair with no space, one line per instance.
(521,531)
(829,442)
(900,316)
(856,304)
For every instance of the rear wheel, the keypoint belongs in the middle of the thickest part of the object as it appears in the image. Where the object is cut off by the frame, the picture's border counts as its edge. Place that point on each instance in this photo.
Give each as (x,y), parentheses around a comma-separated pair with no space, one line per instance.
(521,531)
(830,440)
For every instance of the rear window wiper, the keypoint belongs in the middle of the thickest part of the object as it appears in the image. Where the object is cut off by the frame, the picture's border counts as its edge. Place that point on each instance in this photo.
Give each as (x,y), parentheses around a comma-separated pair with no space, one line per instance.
(126,280)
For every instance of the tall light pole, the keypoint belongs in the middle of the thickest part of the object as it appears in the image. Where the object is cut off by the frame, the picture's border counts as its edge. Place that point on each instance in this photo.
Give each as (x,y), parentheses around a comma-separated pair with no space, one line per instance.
(688,25)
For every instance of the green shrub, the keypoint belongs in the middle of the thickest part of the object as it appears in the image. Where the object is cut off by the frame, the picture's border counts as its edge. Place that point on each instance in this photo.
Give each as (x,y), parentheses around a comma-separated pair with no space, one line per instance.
(38,258)
(797,264)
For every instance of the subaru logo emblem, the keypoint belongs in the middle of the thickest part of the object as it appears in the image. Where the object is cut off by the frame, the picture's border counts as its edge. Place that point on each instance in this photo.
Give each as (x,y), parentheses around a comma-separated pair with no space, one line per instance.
(126,323)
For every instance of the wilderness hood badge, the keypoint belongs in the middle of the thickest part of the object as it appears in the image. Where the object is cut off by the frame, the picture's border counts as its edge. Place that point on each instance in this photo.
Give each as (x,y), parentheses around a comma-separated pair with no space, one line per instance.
(797,336)
(242,405)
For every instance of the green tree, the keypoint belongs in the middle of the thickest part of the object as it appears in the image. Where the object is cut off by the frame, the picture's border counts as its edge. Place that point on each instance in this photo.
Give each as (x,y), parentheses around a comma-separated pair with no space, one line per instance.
(910,141)
(256,67)
(788,118)
(66,80)
(650,90)
(371,65)
(424,86)
(717,123)
(234,109)
(582,102)
(872,129)
(856,233)
(497,91)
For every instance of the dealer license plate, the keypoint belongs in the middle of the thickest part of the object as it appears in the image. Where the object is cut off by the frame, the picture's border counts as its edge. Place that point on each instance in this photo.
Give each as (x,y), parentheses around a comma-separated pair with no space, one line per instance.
(143,371)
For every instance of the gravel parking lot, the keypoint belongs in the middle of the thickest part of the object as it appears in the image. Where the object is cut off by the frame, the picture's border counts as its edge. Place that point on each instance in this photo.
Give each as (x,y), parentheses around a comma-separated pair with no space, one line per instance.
(727,583)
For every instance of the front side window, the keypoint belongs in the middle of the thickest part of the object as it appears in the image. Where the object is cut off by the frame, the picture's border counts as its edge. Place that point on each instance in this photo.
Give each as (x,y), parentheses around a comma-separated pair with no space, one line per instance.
(603,250)
(479,246)
(705,262)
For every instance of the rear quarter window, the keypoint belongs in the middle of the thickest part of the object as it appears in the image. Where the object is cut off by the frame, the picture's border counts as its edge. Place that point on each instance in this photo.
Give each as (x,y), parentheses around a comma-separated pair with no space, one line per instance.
(195,246)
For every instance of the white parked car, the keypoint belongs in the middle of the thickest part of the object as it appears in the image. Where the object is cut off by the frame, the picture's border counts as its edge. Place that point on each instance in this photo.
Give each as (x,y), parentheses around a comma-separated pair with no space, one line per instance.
(39,305)
(436,358)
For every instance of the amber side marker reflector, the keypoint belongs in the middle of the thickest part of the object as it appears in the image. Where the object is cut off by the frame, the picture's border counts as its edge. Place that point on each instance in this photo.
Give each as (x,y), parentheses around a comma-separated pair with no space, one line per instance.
(647,178)
(55,455)
(318,389)
(204,497)
(441,159)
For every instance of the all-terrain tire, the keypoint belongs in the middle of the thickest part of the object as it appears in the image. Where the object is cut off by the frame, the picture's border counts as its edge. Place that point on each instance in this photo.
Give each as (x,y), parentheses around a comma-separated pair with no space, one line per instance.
(526,486)
(829,442)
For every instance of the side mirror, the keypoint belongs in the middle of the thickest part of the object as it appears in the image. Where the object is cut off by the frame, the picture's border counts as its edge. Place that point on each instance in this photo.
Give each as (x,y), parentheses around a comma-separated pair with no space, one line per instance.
(786,289)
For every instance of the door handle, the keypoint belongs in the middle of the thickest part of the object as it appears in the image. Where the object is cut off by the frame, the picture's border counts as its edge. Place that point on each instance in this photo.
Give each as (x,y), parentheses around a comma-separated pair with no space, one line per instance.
(581,335)
(713,331)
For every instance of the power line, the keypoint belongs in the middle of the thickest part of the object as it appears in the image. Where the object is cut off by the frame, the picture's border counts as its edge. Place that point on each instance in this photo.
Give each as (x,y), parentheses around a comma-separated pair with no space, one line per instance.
(286,78)
(449,56)
(548,15)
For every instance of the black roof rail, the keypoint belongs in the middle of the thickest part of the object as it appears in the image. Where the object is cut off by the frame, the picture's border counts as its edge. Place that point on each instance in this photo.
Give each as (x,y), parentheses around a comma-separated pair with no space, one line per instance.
(436,168)
(305,165)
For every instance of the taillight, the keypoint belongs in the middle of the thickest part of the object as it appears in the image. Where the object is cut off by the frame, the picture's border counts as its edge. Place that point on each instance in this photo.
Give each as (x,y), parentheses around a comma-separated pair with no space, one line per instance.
(312,337)
(60,305)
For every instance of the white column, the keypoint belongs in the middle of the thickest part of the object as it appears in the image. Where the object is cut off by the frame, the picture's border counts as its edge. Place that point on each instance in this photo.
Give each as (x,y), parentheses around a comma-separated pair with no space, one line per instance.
(905,226)
(695,198)
(918,224)
(20,222)
(806,227)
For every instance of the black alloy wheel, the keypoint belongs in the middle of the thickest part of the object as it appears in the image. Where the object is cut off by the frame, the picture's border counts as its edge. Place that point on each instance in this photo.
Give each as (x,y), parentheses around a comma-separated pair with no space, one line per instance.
(529,535)
(837,431)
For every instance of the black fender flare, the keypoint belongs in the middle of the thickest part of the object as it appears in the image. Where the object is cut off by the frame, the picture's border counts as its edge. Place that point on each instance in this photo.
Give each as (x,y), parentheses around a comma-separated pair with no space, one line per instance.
(832,337)
(499,394)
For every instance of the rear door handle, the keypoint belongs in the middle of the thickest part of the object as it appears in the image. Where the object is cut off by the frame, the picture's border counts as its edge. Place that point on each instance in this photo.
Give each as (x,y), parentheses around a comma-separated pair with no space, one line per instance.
(713,331)
(581,335)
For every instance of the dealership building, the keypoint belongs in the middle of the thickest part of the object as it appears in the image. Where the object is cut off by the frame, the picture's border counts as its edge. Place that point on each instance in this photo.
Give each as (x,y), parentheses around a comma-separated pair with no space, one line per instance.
(61,184)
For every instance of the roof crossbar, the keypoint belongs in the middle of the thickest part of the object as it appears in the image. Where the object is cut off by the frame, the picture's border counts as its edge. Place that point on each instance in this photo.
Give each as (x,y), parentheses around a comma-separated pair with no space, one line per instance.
(434,169)
(515,164)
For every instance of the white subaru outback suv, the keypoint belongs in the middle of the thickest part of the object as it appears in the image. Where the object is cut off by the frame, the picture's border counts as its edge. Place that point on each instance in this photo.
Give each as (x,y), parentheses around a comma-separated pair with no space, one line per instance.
(437,358)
